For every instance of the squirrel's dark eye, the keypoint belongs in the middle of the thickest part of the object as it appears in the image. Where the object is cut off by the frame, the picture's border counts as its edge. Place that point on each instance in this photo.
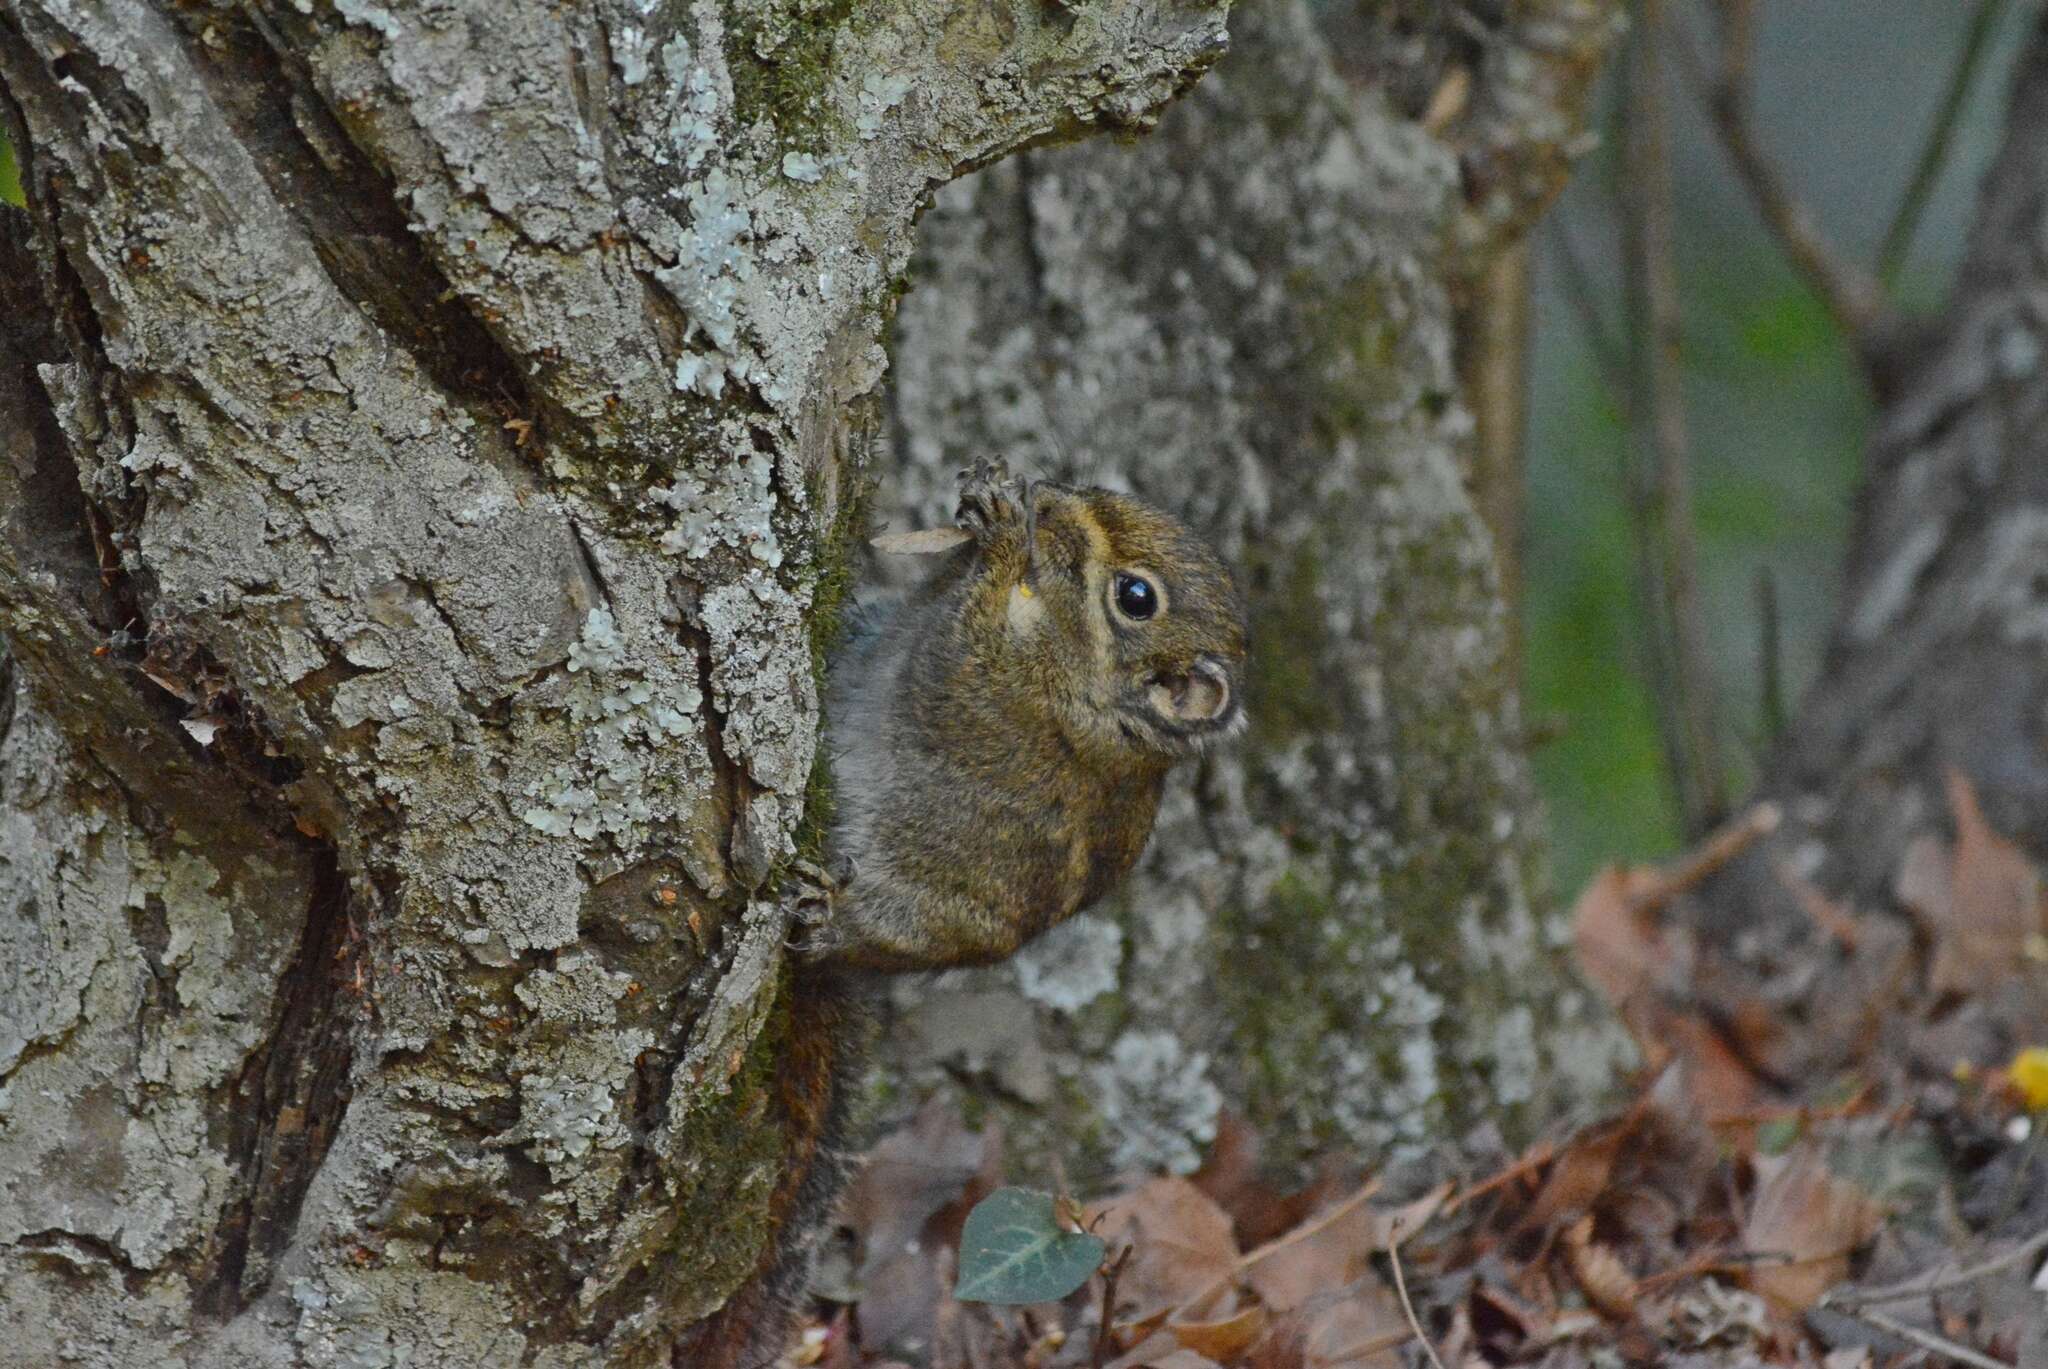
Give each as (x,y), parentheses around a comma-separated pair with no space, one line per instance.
(1135,597)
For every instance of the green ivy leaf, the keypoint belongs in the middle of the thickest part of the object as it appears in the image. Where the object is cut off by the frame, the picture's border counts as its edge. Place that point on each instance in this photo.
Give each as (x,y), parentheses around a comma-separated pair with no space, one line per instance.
(1013,1250)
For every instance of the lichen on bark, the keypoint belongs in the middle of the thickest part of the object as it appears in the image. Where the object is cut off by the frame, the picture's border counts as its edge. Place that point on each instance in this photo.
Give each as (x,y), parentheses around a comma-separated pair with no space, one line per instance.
(1340,929)
(450,411)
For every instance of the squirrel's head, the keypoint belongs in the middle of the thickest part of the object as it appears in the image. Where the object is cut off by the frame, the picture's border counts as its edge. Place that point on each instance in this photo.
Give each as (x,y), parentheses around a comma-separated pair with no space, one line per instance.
(1126,624)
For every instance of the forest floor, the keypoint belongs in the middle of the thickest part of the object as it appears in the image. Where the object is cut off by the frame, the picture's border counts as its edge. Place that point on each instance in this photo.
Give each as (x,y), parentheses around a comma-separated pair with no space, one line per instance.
(1836,1155)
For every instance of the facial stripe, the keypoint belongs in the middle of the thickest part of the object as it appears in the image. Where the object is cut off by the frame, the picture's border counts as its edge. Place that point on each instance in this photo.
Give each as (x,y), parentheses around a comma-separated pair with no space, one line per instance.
(1095,570)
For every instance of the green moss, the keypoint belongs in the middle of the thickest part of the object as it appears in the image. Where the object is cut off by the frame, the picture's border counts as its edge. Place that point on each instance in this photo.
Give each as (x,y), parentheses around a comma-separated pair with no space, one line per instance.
(733,1144)
(780,54)
(832,585)
(10,176)
(1288,698)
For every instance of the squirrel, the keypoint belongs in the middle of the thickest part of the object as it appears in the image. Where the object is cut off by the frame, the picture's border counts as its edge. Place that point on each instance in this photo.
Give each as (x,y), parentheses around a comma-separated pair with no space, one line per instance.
(999,740)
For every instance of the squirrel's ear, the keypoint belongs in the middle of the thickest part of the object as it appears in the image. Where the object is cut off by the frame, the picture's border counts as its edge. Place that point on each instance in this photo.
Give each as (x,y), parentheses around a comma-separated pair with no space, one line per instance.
(923,542)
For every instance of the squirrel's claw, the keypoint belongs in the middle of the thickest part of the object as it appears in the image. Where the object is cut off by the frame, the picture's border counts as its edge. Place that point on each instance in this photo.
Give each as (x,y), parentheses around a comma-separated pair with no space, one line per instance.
(812,891)
(989,498)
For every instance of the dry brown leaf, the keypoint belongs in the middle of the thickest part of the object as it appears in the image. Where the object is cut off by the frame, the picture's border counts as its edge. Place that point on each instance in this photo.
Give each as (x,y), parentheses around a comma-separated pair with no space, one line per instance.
(1162,1352)
(1581,1172)
(1804,1223)
(1718,1082)
(1291,1270)
(1355,1327)
(912,1192)
(1182,1243)
(1331,1258)
(1997,901)
(1599,1272)
(1230,1174)
(1619,948)
(1225,1339)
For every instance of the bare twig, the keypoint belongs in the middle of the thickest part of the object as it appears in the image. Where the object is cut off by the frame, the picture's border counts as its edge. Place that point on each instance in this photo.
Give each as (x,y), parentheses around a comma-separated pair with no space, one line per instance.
(1709,856)
(1771,682)
(1110,1275)
(1920,1285)
(1493,368)
(1532,1159)
(1407,1307)
(1926,1340)
(1608,353)
(1681,669)
(1852,297)
(1898,237)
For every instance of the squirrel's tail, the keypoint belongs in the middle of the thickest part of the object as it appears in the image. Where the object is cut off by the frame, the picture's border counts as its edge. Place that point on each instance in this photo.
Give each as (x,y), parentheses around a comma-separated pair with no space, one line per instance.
(831,1026)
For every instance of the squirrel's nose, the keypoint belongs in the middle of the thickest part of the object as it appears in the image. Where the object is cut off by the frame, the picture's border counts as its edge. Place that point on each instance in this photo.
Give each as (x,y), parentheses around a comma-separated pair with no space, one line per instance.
(1203,695)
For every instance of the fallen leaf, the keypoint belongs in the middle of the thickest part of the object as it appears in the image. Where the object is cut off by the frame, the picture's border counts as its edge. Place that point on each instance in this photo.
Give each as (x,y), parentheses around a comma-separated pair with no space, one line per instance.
(1355,1327)
(905,1204)
(1181,1243)
(1221,1340)
(1619,948)
(1804,1223)
(1162,1352)
(1599,1272)
(1996,902)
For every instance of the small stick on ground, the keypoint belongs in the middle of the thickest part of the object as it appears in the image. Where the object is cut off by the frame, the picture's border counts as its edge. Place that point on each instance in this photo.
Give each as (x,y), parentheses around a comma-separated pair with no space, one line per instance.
(1709,856)
(1407,1307)
(1926,1340)
(1535,1157)
(1920,1286)
(1110,1275)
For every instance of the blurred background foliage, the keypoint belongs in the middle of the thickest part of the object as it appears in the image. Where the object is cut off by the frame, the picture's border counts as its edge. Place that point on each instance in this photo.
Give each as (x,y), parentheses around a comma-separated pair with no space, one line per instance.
(1845,94)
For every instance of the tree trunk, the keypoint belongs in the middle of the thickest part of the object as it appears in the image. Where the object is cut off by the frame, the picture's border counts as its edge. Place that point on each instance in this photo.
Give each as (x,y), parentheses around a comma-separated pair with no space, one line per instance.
(1936,669)
(1340,928)
(429,433)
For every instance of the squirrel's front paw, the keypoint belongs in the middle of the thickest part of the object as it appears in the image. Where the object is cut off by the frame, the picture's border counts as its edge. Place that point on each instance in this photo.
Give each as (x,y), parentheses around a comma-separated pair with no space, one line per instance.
(990,497)
(813,893)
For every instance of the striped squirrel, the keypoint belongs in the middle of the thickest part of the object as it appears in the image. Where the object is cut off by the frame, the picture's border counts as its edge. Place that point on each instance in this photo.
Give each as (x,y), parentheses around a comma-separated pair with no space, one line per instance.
(999,739)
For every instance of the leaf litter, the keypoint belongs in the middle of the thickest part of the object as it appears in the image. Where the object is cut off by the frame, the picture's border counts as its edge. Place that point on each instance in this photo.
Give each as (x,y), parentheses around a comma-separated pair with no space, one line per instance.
(1838,1163)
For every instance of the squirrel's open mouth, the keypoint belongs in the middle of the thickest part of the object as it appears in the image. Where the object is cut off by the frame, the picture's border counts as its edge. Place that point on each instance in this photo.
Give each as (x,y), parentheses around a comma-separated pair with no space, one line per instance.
(1194,706)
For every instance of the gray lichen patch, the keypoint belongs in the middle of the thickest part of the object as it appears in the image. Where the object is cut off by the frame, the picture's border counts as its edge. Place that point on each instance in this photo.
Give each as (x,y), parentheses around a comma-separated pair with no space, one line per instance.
(131,993)
(482,428)
(1339,927)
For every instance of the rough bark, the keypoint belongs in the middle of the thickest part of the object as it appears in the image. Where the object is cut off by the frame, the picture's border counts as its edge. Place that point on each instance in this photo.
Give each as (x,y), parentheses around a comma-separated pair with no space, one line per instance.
(1340,929)
(1936,665)
(428,430)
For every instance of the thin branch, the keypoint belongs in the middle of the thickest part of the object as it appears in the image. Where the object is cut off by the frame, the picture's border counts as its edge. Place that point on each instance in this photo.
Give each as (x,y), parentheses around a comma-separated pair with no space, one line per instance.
(1111,1274)
(1534,1158)
(1852,297)
(1493,370)
(1926,1340)
(1898,238)
(1708,857)
(1920,1286)
(1667,573)
(1407,1307)
(1770,648)
(1609,355)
